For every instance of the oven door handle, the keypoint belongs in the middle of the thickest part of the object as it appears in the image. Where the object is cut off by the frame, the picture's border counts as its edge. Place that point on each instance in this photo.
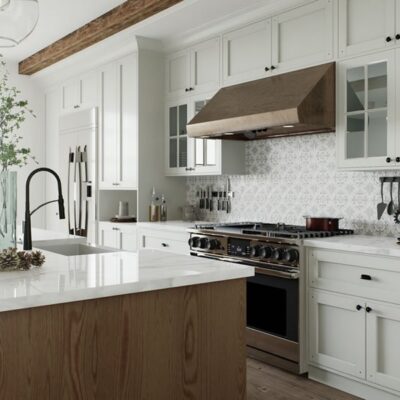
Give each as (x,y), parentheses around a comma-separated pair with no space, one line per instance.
(278,274)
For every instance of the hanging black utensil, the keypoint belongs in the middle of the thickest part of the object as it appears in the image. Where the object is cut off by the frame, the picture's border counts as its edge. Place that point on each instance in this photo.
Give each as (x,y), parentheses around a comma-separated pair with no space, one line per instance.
(381,207)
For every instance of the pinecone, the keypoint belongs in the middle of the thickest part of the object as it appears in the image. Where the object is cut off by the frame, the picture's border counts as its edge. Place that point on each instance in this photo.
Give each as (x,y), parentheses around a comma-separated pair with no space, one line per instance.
(24,260)
(37,258)
(8,259)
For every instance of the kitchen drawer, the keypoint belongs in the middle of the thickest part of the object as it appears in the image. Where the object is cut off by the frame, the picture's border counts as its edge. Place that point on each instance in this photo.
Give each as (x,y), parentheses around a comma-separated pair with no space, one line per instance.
(373,277)
(173,242)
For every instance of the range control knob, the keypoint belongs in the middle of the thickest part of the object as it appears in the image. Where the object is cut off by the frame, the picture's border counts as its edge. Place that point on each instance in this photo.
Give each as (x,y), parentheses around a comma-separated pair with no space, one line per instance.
(213,244)
(268,252)
(194,242)
(203,243)
(291,255)
(255,251)
(277,254)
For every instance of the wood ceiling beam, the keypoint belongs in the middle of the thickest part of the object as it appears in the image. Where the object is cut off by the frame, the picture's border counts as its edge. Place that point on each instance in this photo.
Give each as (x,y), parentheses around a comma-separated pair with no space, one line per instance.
(119,18)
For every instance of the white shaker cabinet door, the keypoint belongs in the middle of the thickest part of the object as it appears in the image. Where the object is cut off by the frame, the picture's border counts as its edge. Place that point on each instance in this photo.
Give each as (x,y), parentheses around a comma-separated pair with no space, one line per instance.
(303,36)
(247,53)
(128,241)
(89,90)
(205,66)
(178,73)
(71,95)
(365,25)
(108,128)
(383,349)
(127,138)
(108,236)
(337,333)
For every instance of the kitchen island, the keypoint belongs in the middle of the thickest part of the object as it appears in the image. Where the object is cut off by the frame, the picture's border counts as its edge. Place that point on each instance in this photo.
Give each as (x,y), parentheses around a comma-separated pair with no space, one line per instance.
(146,325)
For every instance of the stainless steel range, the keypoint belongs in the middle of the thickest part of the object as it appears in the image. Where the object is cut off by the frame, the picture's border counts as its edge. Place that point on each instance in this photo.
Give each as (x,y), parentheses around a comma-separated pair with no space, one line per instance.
(276,294)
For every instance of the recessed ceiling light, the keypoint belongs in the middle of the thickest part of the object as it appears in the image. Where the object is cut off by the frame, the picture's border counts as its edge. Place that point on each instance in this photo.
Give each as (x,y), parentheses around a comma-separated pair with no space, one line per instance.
(288,126)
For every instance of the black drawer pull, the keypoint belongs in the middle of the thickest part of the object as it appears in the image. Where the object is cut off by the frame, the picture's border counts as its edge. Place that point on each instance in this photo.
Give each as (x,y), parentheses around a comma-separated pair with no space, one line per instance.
(366,277)
(164,244)
(358,307)
(368,309)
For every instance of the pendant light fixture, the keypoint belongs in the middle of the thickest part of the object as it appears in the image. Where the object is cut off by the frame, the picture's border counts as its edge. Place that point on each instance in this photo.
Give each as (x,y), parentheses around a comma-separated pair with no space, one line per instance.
(18,19)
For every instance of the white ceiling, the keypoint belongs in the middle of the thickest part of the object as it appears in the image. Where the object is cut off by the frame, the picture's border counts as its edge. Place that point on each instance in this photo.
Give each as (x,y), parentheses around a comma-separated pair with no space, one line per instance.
(60,17)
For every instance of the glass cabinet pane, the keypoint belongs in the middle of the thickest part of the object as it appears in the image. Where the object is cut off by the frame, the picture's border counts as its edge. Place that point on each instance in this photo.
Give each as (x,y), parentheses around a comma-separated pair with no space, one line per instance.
(173,121)
(173,153)
(355,135)
(183,152)
(377,85)
(182,119)
(355,89)
(377,133)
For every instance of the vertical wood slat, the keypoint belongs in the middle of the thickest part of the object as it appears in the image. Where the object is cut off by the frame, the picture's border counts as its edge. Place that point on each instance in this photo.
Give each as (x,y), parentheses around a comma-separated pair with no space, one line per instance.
(182,343)
(119,18)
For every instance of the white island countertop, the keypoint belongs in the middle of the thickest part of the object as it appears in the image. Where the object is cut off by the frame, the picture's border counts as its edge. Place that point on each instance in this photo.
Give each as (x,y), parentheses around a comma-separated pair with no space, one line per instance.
(65,279)
(376,245)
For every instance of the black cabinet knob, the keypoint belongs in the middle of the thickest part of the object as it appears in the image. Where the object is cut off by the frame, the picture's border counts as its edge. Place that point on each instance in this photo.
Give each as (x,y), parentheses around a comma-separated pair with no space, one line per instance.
(266,69)
(398,36)
(388,39)
(192,88)
(358,307)
(388,159)
(368,309)
(273,67)
(366,277)
(397,159)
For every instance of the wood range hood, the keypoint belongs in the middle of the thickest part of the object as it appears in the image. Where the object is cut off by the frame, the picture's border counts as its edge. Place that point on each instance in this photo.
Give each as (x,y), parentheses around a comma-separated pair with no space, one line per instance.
(293,103)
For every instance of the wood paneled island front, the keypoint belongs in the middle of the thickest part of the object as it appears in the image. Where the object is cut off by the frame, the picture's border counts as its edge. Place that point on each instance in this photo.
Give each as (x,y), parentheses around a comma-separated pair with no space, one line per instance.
(185,341)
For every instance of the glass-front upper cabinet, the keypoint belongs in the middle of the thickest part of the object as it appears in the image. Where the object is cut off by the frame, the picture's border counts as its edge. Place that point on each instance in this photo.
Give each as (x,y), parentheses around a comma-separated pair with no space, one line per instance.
(365,112)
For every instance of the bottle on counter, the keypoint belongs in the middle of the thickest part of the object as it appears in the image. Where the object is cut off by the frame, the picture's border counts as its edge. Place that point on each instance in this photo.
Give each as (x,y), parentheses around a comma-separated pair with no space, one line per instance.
(154,208)
(163,209)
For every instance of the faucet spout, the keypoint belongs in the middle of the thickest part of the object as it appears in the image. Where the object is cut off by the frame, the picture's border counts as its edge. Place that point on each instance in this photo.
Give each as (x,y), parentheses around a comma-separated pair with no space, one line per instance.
(27,228)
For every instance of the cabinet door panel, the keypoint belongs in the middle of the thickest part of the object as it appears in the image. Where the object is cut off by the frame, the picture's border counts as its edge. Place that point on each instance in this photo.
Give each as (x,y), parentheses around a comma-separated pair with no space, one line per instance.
(71,92)
(205,66)
(366,131)
(89,90)
(108,237)
(364,25)
(337,333)
(109,121)
(178,73)
(127,138)
(246,53)
(383,333)
(128,241)
(303,36)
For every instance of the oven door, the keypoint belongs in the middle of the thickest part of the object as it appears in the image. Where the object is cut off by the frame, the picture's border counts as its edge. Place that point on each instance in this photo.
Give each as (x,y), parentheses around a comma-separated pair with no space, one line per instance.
(273,305)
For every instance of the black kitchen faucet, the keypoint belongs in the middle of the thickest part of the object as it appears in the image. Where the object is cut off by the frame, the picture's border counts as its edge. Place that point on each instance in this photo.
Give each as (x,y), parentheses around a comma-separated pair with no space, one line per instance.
(27,229)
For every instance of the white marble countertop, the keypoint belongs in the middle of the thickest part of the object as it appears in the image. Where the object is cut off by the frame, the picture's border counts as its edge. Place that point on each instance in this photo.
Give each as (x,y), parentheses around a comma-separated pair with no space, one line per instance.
(385,246)
(65,279)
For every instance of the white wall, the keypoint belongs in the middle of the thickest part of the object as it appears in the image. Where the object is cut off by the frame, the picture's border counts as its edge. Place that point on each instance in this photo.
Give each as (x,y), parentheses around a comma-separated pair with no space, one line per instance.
(33,133)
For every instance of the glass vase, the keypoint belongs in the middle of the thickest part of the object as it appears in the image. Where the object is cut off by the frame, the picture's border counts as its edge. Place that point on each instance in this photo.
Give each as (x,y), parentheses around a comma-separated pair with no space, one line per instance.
(8,209)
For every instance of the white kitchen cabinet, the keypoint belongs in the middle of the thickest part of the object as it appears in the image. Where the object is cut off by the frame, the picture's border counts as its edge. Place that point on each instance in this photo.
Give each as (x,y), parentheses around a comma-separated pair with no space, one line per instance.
(366,25)
(194,70)
(303,36)
(337,332)
(80,92)
(118,236)
(366,120)
(247,53)
(187,156)
(118,125)
(383,333)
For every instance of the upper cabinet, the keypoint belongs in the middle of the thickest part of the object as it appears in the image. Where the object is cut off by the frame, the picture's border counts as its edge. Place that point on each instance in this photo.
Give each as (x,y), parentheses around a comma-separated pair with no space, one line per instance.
(194,70)
(80,92)
(367,25)
(187,156)
(366,120)
(303,36)
(118,125)
(247,53)
(300,37)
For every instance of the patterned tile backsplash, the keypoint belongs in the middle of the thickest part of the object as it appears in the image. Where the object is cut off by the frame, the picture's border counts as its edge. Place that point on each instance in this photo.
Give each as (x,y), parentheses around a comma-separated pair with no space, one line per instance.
(296,176)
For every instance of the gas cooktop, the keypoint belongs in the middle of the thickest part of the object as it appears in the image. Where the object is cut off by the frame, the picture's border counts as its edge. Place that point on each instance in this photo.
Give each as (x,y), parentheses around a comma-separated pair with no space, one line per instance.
(278,230)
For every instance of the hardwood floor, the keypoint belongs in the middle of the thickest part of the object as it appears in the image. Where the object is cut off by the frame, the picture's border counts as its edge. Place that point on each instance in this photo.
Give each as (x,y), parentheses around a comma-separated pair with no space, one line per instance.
(268,383)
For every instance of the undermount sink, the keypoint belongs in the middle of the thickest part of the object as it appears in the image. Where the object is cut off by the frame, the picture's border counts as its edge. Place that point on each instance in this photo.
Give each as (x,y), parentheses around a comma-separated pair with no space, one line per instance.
(70,248)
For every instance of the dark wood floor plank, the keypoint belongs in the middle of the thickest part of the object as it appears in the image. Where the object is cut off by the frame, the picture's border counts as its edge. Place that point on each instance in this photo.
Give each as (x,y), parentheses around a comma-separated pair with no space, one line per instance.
(265,382)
